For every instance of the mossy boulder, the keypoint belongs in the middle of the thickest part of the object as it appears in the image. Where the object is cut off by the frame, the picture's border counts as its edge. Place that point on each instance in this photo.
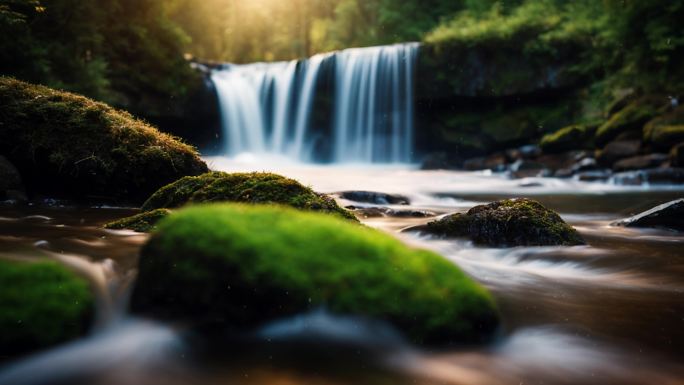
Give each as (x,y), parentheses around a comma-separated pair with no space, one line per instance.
(507,223)
(575,137)
(41,304)
(142,223)
(256,187)
(69,146)
(666,130)
(237,267)
(631,119)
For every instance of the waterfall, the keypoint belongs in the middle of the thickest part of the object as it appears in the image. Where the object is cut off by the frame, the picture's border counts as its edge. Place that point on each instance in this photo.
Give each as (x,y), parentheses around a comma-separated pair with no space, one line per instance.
(268,108)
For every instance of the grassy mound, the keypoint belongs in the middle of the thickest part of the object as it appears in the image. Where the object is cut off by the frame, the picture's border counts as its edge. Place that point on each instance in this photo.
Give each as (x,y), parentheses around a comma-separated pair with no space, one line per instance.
(568,139)
(70,146)
(240,266)
(257,187)
(41,304)
(142,223)
(506,223)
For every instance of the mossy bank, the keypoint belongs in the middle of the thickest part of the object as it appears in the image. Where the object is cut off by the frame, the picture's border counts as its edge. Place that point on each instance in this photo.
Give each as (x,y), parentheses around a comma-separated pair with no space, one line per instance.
(41,304)
(239,266)
(65,145)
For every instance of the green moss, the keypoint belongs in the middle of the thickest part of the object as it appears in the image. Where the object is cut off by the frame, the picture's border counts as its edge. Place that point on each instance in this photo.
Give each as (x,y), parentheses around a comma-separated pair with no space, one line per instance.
(630,119)
(70,146)
(511,222)
(142,223)
(241,266)
(257,187)
(41,304)
(666,130)
(569,138)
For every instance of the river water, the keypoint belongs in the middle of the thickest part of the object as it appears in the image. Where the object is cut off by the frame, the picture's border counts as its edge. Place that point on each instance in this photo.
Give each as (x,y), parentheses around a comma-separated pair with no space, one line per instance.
(611,312)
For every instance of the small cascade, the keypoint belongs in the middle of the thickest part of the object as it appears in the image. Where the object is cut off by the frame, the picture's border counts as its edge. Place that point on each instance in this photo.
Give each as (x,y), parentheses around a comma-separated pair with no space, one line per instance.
(268,108)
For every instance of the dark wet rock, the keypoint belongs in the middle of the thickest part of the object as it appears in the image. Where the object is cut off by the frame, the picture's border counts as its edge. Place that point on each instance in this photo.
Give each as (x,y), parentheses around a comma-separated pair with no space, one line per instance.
(594,176)
(617,150)
(585,164)
(506,223)
(666,175)
(142,223)
(495,162)
(441,161)
(669,215)
(229,267)
(677,155)
(376,212)
(530,151)
(375,197)
(640,162)
(42,304)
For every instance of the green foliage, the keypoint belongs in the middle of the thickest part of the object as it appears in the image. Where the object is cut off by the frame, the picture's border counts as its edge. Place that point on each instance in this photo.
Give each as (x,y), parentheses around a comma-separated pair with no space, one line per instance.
(257,187)
(41,304)
(143,223)
(124,52)
(569,138)
(69,145)
(508,223)
(241,266)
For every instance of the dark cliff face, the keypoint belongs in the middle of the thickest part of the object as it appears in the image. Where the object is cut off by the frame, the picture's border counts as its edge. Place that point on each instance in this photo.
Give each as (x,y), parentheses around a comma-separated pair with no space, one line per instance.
(477,97)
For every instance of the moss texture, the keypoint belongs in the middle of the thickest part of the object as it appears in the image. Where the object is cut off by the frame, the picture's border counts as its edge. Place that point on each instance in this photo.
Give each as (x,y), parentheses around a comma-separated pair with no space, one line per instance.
(632,118)
(257,187)
(569,138)
(508,223)
(41,304)
(70,146)
(142,223)
(240,266)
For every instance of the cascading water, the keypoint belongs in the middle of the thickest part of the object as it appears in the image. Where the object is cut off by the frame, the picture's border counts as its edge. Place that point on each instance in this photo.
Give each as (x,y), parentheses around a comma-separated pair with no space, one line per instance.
(267,108)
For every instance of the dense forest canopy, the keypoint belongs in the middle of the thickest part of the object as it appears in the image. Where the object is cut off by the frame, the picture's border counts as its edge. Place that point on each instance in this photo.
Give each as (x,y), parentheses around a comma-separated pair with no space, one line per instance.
(134,53)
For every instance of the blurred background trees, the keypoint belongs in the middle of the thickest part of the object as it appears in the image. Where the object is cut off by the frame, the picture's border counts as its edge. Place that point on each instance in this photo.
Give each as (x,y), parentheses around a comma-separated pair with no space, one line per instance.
(132,53)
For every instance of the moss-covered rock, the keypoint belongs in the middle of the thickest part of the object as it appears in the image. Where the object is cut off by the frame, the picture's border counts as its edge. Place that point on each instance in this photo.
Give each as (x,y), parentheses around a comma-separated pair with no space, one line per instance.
(70,146)
(665,130)
(239,266)
(631,119)
(575,137)
(41,304)
(507,223)
(142,223)
(256,187)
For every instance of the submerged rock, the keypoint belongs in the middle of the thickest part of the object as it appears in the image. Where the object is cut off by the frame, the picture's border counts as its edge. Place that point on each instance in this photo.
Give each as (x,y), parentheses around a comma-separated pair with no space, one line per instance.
(69,146)
(375,212)
(506,223)
(256,187)
(669,215)
(375,197)
(236,267)
(142,223)
(41,304)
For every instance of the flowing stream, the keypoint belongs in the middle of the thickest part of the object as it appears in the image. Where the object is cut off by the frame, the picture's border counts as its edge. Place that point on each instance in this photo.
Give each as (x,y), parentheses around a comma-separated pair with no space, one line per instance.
(611,312)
